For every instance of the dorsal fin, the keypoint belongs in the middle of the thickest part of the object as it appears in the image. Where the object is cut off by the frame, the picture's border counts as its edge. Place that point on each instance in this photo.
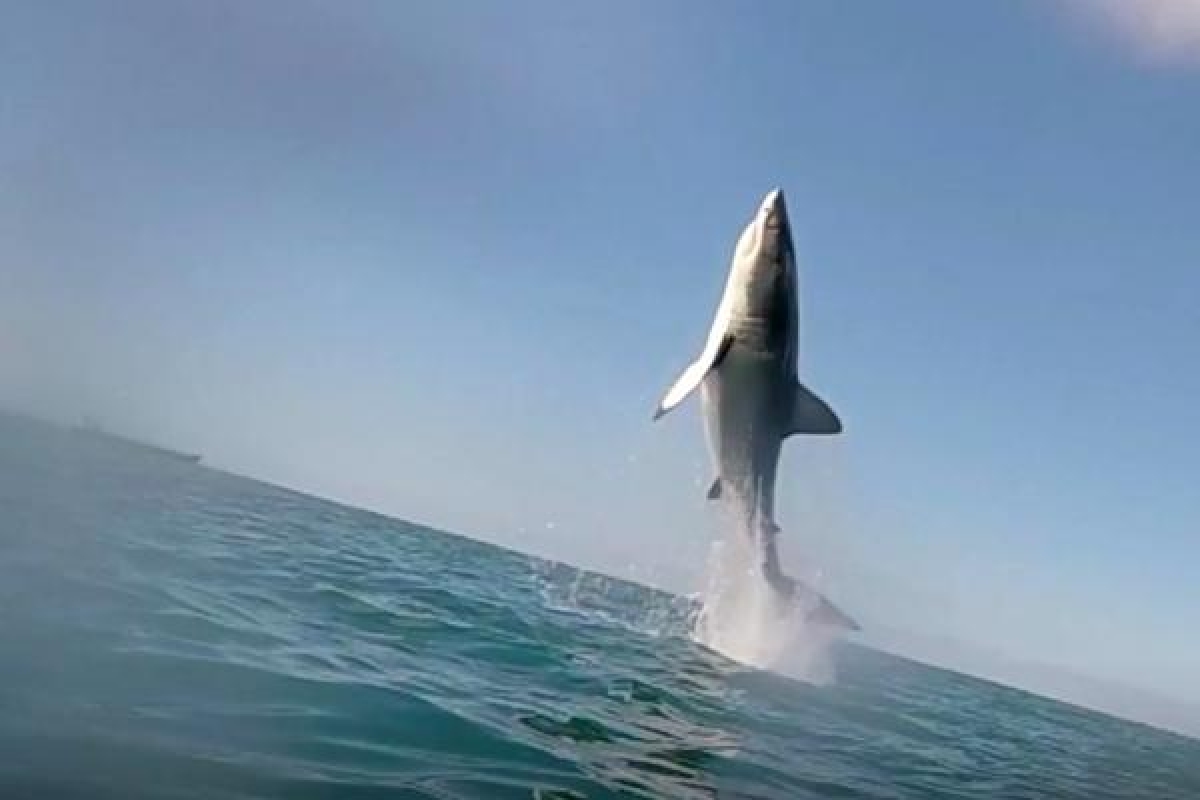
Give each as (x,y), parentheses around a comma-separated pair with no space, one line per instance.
(810,414)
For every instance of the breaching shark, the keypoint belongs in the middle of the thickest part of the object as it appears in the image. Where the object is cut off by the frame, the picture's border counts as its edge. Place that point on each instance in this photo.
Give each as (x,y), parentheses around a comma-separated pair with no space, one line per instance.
(751,396)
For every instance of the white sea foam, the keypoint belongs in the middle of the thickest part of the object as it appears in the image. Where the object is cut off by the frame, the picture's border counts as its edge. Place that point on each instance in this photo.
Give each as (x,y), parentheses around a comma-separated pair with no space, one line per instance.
(742,618)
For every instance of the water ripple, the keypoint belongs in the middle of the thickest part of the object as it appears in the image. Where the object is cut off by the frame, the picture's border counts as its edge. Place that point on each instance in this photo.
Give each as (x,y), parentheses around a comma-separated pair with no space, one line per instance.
(171,631)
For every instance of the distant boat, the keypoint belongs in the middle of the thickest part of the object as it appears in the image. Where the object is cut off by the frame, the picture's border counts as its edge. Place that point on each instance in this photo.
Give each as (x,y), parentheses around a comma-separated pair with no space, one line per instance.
(88,428)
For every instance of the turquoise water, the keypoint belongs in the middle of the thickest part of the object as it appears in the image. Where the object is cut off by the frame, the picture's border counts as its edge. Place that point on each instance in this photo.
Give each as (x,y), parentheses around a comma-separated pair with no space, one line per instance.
(173,631)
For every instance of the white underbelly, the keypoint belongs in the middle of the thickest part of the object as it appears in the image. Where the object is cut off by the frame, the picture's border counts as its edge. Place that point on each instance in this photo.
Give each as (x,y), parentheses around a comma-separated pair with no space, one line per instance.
(741,409)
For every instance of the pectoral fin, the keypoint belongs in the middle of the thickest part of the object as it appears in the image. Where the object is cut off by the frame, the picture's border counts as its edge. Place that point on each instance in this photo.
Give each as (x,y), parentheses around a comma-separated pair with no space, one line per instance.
(811,414)
(691,377)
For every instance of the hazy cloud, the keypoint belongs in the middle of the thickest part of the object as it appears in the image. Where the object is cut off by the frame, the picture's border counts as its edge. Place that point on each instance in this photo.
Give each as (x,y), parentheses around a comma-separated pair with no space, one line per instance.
(1163,31)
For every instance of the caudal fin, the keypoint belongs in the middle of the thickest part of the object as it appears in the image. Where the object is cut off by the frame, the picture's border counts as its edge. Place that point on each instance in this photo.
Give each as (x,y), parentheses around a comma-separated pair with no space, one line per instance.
(819,610)
(827,614)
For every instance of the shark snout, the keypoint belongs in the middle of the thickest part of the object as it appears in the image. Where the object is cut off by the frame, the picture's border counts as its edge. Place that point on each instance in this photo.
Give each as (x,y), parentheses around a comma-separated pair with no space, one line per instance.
(774,210)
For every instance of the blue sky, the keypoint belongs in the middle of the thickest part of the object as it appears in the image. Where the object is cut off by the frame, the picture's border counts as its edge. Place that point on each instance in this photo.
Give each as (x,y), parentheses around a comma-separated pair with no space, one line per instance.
(441,259)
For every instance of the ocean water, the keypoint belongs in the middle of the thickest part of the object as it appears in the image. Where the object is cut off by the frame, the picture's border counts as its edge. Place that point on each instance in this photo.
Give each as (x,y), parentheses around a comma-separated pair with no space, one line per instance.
(167,630)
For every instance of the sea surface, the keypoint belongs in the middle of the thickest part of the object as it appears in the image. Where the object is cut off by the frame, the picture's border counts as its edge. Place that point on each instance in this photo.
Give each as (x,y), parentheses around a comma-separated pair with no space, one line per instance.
(169,630)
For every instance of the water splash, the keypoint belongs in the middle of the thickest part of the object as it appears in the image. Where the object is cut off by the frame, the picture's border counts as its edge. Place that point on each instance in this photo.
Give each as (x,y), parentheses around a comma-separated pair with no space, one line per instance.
(735,613)
(742,618)
(610,600)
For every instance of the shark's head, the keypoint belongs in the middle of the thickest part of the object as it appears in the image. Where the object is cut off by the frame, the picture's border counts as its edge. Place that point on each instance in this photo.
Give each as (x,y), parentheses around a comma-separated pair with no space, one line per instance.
(764,262)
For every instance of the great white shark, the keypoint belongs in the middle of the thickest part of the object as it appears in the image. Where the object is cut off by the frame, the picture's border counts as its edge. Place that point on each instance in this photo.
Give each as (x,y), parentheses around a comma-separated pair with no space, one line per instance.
(751,395)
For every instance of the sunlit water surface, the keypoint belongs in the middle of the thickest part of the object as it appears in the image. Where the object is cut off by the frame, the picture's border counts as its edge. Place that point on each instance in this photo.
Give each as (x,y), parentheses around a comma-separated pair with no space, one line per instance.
(173,631)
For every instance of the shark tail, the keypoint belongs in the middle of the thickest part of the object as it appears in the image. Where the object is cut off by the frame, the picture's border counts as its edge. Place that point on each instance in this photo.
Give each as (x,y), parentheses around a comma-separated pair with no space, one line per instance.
(828,615)
(820,611)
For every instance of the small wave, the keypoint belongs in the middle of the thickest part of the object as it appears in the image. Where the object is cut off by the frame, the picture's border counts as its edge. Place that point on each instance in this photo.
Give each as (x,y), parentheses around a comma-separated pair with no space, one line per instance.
(206,636)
